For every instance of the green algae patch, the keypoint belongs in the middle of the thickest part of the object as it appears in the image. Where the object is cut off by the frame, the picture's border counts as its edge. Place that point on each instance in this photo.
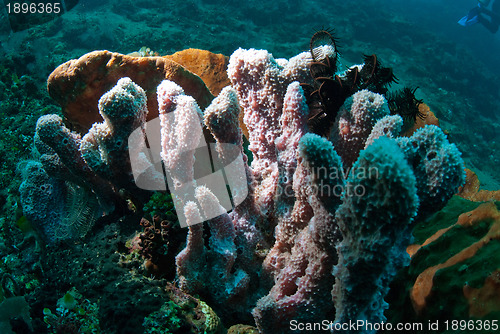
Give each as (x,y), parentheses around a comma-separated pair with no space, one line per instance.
(454,271)
(476,268)
(443,219)
(449,244)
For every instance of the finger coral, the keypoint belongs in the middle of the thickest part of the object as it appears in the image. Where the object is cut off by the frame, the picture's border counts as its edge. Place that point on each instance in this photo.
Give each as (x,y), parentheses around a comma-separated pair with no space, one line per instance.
(306,227)
(105,147)
(354,123)
(100,160)
(375,229)
(260,82)
(437,165)
(61,157)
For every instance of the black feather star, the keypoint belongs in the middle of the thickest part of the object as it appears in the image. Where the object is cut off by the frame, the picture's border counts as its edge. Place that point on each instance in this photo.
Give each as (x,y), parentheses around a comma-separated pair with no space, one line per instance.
(404,103)
(329,91)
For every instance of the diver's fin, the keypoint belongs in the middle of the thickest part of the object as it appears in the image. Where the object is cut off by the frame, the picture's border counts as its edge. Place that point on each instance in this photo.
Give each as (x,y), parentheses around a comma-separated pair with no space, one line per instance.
(471,18)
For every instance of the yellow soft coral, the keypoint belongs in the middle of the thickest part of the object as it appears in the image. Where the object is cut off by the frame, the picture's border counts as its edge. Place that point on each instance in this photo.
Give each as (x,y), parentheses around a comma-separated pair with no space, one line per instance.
(212,322)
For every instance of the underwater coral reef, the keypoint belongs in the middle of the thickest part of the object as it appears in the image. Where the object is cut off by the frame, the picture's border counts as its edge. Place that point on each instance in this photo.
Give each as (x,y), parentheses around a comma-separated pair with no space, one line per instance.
(236,192)
(238,212)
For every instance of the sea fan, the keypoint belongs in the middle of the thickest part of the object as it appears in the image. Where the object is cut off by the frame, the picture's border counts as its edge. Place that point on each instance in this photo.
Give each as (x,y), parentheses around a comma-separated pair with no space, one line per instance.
(81,210)
(58,210)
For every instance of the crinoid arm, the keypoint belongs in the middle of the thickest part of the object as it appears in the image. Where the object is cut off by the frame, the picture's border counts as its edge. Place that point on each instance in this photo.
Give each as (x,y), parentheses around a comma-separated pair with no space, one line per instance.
(404,103)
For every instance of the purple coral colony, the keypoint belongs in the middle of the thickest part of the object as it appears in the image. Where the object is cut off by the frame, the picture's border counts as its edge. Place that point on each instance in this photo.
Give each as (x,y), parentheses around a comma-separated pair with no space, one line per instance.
(321,206)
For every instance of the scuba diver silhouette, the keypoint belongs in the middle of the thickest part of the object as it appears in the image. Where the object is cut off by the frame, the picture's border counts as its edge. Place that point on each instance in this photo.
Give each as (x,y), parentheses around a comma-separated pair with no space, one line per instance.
(478,15)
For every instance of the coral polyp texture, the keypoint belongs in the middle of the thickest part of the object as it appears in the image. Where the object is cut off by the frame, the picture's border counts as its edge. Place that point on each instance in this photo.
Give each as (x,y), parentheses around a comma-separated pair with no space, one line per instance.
(323,226)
